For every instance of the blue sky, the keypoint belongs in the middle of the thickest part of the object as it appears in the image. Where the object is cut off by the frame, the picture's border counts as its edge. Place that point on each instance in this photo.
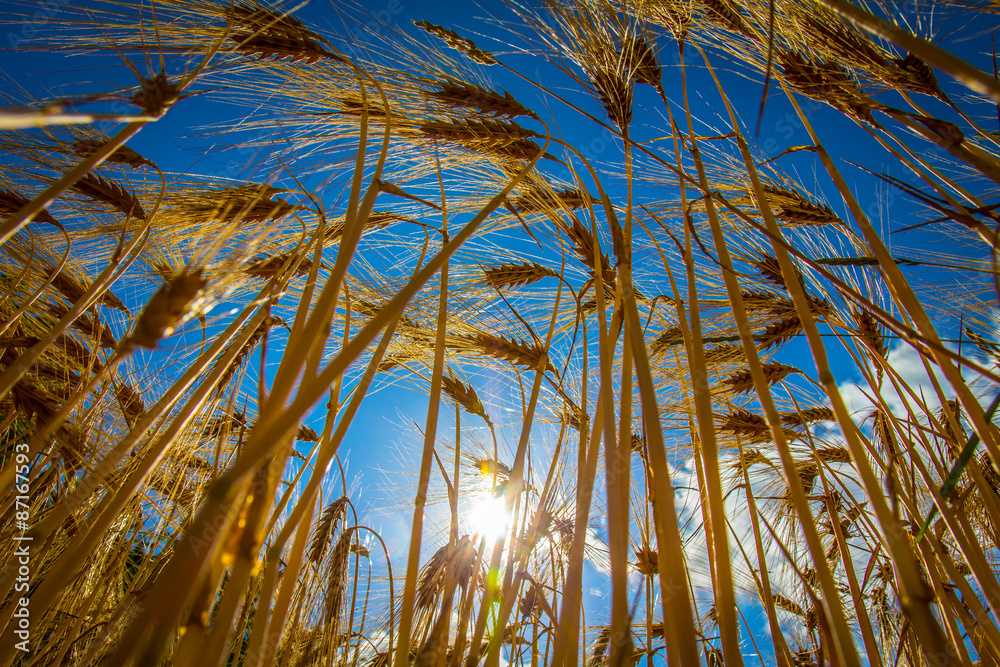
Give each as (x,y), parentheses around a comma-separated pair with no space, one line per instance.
(383,442)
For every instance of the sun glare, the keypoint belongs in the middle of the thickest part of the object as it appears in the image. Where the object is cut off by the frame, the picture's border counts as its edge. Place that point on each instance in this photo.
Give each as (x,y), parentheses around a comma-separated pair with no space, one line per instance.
(489,518)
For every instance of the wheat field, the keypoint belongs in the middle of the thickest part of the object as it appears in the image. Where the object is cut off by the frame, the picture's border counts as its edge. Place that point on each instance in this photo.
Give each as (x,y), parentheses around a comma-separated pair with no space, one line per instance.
(588,332)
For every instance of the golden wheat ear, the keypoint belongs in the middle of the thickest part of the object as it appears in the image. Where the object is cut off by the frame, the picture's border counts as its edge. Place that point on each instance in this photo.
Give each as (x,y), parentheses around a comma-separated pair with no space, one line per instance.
(123,155)
(169,307)
(11,202)
(452,39)
(741,381)
(465,395)
(457,94)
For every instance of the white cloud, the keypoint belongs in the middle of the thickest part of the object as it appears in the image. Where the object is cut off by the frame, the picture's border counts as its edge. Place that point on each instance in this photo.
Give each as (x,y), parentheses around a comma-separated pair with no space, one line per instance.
(915,395)
(913,374)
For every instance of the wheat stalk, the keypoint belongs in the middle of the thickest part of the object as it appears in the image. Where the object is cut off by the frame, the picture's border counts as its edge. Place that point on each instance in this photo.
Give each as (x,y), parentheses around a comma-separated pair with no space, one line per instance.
(171,498)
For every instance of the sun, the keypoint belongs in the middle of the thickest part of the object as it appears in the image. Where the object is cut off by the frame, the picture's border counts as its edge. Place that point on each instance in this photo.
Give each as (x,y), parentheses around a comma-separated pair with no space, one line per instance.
(489,518)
